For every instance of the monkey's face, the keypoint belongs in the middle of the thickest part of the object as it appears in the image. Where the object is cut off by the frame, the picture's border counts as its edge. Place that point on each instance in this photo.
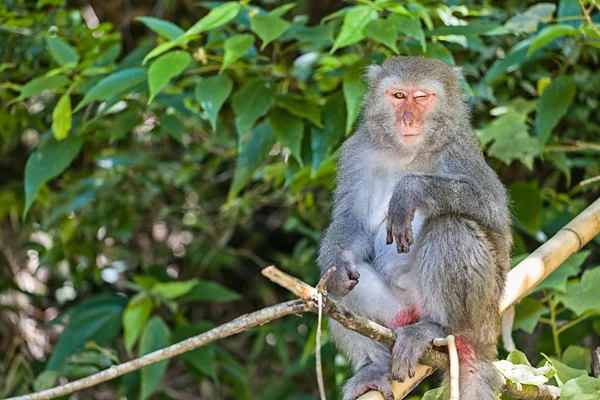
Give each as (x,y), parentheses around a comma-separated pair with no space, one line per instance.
(410,105)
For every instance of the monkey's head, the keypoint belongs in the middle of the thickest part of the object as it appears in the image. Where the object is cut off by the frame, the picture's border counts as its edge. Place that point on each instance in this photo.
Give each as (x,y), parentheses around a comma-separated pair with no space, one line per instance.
(411,100)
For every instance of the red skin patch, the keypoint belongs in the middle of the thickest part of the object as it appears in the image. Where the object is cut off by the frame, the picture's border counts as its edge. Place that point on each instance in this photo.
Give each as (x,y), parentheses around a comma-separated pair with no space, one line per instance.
(406,317)
(466,355)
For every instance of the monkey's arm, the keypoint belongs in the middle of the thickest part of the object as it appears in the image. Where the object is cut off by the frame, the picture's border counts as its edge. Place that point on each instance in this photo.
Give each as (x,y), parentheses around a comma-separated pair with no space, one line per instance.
(348,240)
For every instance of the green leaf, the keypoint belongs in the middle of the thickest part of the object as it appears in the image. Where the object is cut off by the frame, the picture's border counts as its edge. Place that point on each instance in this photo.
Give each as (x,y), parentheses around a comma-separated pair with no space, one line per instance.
(45,380)
(155,337)
(204,358)
(47,163)
(211,291)
(172,126)
(582,388)
(527,201)
(564,373)
(353,27)
(528,21)
(513,59)
(384,31)
(251,102)
(38,85)
(548,34)
(62,51)
(216,17)
(410,27)
(235,47)
(557,280)
(166,29)
(289,131)
(553,105)
(354,88)
(96,319)
(584,295)
(254,152)
(135,316)
(528,314)
(570,8)
(113,84)
(301,108)
(268,28)
(281,10)
(175,289)
(577,357)
(212,93)
(61,118)
(164,69)
(435,394)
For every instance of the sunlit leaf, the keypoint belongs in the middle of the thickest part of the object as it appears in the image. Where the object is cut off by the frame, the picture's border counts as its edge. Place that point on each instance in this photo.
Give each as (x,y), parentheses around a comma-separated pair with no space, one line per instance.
(528,21)
(268,28)
(553,105)
(211,291)
(582,388)
(212,93)
(353,27)
(550,33)
(164,69)
(135,316)
(175,289)
(112,84)
(61,118)
(38,85)
(235,47)
(166,29)
(584,295)
(384,31)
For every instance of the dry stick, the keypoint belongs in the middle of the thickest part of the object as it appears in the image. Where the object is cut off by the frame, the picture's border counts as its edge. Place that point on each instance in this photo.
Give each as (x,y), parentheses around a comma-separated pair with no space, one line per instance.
(524,277)
(239,324)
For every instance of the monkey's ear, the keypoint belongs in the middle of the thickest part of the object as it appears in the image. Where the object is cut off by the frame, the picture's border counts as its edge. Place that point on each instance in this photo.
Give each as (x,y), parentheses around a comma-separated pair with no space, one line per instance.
(372,72)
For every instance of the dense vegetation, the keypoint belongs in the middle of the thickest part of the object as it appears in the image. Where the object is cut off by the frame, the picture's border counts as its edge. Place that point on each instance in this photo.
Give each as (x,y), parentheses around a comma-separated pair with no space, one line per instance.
(146,177)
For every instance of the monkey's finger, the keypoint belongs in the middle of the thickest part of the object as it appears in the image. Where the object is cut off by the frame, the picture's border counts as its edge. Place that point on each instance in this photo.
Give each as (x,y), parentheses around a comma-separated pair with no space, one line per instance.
(353,274)
(390,237)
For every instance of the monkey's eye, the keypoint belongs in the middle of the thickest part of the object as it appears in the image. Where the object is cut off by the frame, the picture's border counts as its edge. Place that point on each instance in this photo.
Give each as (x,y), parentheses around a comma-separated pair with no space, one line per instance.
(399,95)
(420,94)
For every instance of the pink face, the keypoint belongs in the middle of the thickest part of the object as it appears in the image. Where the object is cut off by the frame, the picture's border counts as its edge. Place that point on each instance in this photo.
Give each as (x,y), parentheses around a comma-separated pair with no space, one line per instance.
(410,106)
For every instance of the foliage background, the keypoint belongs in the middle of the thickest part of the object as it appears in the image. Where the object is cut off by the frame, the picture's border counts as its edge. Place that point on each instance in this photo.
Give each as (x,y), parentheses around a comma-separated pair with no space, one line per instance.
(147,175)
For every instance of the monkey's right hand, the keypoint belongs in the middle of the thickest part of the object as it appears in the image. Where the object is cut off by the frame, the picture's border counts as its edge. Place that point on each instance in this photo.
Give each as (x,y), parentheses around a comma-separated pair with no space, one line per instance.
(344,278)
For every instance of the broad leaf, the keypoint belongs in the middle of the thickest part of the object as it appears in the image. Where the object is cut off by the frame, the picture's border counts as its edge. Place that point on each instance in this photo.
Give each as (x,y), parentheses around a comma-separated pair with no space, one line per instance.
(254,152)
(251,102)
(113,84)
(155,337)
(211,291)
(564,373)
(529,20)
(175,289)
(584,295)
(384,31)
(268,28)
(96,319)
(135,316)
(38,85)
(289,131)
(527,201)
(354,88)
(301,108)
(164,68)
(557,280)
(353,27)
(577,357)
(212,93)
(552,106)
(582,388)
(47,163)
(548,34)
(325,140)
(216,17)
(62,51)
(235,47)
(61,117)
(410,27)
(513,59)
(166,29)
(204,358)
(528,314)
(172,126)
(524,374)
(435,394)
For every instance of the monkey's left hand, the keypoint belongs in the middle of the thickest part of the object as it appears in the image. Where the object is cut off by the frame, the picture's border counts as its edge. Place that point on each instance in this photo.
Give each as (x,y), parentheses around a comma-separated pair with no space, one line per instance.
(399,225)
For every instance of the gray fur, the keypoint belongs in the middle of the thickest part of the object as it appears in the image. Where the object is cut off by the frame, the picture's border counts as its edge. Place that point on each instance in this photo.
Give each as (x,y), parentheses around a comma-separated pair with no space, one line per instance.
(448,216)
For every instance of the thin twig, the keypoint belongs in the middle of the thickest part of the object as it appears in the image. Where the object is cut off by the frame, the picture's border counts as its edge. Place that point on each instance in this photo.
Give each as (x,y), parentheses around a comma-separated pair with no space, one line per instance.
(589,180)
(588,18)
(238,325)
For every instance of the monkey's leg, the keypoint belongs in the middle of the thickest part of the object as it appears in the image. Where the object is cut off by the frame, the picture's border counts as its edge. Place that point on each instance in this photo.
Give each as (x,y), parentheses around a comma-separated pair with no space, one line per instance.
(455,272)
(373,299)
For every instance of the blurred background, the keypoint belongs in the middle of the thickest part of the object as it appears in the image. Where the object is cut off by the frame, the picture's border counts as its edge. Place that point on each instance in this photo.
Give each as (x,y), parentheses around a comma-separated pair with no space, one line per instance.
(147,175)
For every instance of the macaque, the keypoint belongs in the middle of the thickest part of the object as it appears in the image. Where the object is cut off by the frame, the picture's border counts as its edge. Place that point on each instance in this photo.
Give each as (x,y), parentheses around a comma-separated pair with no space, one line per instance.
(420,233)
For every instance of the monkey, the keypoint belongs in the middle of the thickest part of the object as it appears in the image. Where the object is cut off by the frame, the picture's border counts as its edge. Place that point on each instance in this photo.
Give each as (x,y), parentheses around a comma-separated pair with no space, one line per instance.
(420,231)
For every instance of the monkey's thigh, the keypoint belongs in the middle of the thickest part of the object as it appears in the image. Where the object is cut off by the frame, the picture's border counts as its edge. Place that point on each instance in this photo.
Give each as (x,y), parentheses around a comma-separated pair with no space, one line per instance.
(455,275)
(371,298)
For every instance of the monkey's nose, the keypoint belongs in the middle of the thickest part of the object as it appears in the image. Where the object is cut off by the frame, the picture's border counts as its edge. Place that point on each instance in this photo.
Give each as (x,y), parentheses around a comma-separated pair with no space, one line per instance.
(408,118)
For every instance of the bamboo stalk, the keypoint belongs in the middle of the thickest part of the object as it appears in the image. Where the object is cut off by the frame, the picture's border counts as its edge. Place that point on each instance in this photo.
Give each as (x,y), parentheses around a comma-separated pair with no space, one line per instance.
(526,276)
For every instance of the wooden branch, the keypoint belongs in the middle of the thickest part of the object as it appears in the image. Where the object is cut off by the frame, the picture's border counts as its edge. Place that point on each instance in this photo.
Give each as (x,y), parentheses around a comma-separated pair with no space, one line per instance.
(529,273)
(238,325)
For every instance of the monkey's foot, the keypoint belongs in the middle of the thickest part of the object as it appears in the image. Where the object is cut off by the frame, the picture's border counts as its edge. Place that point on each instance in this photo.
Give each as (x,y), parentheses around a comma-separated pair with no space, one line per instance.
(411,342)
(343,279)
(370,377)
